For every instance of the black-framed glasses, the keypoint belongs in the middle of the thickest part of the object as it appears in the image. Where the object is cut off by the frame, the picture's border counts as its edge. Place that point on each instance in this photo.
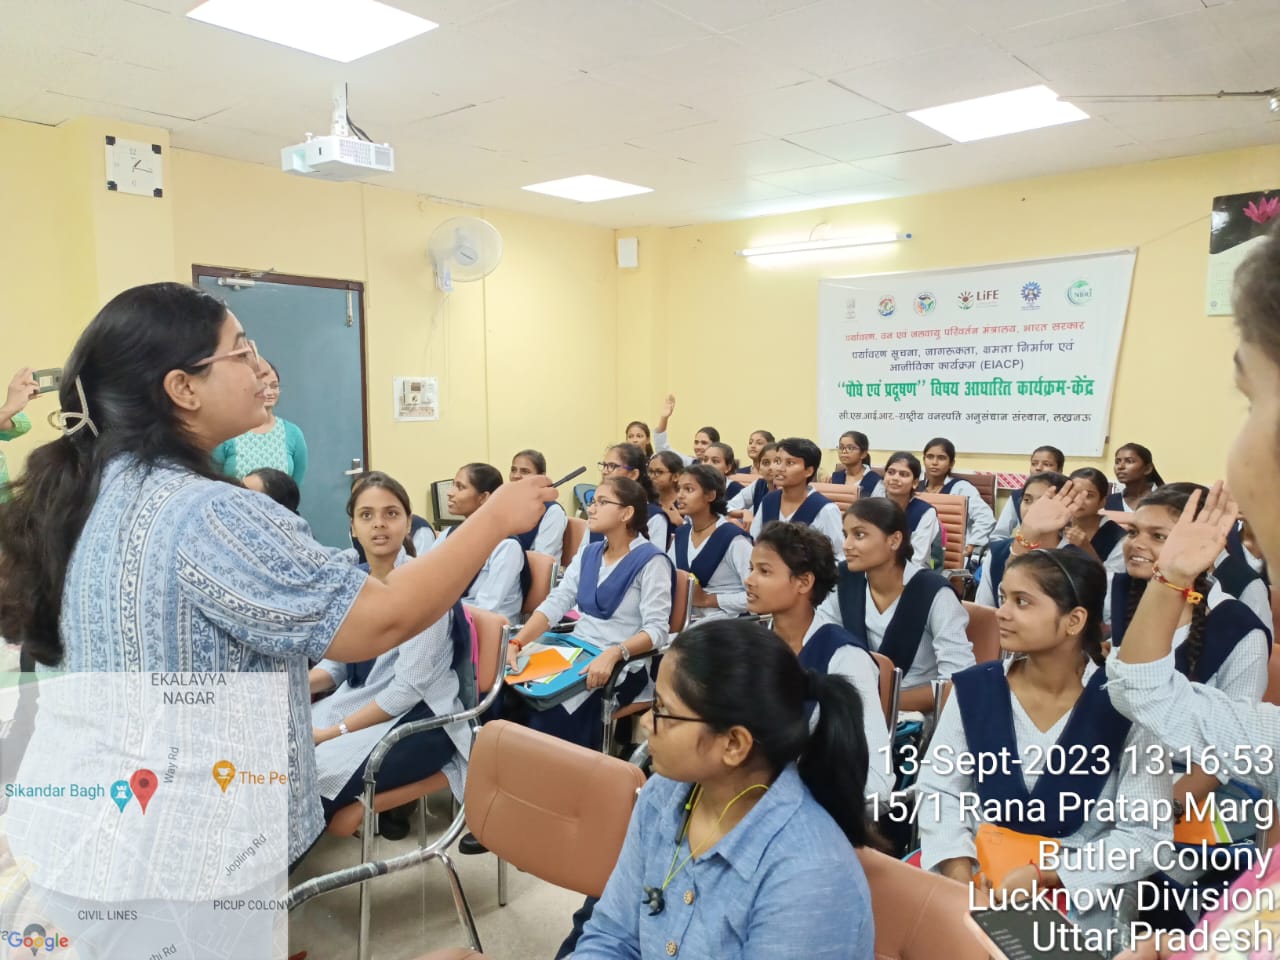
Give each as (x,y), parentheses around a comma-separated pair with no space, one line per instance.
(607,467)
(658,715)
(606,501)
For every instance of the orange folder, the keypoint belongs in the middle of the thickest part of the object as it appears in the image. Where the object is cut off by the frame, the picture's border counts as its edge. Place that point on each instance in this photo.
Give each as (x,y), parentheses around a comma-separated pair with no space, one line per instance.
(1001,850)
(544,663)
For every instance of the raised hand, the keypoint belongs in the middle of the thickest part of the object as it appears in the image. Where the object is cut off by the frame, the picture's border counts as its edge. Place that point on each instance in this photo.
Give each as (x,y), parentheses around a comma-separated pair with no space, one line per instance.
(669,406)
(1195,541)
(1051,513)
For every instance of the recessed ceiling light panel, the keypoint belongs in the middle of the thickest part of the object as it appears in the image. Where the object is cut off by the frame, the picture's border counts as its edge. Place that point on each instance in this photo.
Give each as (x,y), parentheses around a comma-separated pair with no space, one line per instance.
(1027,109)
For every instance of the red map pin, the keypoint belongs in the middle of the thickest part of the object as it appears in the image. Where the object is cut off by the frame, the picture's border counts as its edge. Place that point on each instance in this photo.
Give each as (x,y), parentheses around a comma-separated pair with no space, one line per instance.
(143,783)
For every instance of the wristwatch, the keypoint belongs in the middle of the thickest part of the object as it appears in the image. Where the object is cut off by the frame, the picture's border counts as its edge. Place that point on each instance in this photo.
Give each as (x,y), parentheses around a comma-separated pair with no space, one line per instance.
(626,654)
(342,728)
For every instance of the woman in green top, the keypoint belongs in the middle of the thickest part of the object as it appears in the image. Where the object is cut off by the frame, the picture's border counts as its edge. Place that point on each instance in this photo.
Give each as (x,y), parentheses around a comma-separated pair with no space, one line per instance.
(278,443)
(13,422)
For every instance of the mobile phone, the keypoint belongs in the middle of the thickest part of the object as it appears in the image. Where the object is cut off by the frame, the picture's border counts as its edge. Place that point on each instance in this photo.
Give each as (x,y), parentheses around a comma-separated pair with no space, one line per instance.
(49,379)
(1040,933)
(569,476)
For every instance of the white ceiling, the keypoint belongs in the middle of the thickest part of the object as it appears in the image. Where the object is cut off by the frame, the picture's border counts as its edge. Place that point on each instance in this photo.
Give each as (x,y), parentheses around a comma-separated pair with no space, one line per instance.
(727,108)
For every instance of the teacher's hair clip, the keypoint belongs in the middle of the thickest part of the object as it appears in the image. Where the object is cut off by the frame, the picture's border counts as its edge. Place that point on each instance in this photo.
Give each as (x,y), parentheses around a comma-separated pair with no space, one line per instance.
(69,421)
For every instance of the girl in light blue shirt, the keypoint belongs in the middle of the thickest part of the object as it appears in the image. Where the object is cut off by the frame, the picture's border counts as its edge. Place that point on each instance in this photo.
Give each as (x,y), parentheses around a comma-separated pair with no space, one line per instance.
(742,844)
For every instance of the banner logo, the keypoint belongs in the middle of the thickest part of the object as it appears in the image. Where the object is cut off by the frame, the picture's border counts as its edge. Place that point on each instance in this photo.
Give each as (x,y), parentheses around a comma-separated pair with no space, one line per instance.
(1080,292)
(966,300)
(888,307)
(1031,293)
(925,303)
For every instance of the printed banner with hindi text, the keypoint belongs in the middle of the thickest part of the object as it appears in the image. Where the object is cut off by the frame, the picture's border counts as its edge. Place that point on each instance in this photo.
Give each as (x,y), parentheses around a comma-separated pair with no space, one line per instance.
(999,359)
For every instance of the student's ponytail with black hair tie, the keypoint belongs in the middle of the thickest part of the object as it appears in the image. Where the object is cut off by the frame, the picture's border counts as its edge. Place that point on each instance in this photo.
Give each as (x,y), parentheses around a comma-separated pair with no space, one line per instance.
(835,761)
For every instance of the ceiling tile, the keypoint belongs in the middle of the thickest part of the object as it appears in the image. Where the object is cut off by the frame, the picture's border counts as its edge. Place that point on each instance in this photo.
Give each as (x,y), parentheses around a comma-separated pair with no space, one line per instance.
(585,34)
(705,73)
(835,36)
(824,179)
(870,138)
(801,106)
(1074,21)
(911,83)
(724,15)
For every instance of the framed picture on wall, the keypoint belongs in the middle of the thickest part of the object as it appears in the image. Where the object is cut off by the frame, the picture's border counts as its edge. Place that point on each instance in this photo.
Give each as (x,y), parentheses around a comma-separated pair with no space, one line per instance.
(1238,224)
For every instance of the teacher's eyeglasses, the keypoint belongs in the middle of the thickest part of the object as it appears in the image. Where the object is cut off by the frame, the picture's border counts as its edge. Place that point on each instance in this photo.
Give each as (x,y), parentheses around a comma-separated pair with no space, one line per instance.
(659,715)
(249,351)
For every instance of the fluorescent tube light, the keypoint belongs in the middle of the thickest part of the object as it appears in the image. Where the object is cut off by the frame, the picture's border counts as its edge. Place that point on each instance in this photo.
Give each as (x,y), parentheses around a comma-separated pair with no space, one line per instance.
(342,30)
(587,188)
(833,243)
(1027,109)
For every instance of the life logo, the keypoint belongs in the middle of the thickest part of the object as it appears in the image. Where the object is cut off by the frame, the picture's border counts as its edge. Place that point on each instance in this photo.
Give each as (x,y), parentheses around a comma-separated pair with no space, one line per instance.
(1031,293)
(34,937)
(924,303)
(887,307)
(1080,293)
(965,300)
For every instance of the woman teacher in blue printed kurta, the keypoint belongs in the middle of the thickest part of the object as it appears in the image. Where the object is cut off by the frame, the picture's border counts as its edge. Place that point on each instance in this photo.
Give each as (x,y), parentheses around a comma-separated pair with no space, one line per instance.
(277,443)
(124,549)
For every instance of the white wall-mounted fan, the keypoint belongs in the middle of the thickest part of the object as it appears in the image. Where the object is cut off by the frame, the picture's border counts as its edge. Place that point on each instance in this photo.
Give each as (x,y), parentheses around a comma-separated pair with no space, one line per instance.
(464,249)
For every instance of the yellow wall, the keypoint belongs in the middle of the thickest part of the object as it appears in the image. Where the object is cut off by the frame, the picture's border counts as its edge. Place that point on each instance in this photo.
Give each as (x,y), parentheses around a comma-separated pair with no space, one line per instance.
(558,349)
(553,300)
(743,337)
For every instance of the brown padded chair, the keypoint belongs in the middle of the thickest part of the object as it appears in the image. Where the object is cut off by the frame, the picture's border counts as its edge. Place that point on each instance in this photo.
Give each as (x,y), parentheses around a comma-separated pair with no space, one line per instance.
(890,687)
(953,514)
(918,915)
(983,632)
(575,532)
(554,809)
(838,493)
(542,570)
(985,484)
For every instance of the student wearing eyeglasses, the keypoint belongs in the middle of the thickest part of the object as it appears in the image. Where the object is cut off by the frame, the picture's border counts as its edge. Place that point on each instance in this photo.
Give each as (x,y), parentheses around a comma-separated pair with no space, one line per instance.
(628,460)
(277,443)
(743,843)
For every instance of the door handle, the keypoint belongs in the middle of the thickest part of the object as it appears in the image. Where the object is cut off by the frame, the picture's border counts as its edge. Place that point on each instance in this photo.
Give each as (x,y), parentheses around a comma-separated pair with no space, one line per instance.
(357,467)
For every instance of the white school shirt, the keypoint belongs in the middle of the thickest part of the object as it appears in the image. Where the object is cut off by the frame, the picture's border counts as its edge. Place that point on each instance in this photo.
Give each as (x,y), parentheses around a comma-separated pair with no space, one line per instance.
(419,670)
(424,538)
(1243,675)
(744,499)
(728,582)
(550,536)
(645,606)
(829,521)
(1256,596)
(1007,523)
(662,442)
(497,586)
(944,647)
(979,520)
(922,537)
(860,670)
(952,835)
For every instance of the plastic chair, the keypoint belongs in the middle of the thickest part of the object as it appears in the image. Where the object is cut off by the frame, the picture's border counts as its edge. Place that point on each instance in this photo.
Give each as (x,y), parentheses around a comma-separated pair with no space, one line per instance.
(838,493)
(492,635)
(582,496)
(983,632)
(953,514)
(554,809)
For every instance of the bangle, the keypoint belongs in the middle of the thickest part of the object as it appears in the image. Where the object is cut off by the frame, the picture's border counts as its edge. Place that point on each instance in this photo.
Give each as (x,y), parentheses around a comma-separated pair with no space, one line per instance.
(1189,594)
(1023,541)
(1039,872)
(342,728)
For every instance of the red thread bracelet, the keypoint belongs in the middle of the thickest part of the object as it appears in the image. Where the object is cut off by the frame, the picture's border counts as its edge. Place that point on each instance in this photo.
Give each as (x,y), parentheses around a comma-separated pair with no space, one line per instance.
(1189,594)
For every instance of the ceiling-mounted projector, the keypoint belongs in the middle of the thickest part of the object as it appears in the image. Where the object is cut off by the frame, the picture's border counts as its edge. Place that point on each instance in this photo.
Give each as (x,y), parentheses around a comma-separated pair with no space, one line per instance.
(338,155)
